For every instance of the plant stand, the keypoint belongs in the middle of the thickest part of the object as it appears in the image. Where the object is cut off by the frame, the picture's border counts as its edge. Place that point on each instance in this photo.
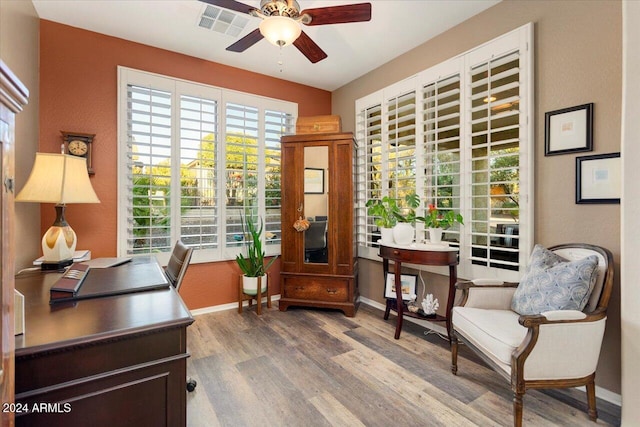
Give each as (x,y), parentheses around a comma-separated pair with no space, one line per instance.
(247,297)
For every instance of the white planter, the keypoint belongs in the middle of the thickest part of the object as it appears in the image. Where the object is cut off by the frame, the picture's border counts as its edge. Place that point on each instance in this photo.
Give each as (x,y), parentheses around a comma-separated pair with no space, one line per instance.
(386,235)
(435,235)
(250,285)
(403,233)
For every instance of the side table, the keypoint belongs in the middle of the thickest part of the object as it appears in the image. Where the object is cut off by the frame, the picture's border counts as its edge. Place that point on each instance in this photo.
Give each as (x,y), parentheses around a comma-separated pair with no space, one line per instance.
(422,255)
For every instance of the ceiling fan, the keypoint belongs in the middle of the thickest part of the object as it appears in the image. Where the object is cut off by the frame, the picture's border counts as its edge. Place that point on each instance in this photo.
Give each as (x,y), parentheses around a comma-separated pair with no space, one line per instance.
(281,21)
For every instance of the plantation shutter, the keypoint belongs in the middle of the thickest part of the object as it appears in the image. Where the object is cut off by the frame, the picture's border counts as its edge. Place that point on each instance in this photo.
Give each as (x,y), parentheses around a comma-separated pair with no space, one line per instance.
(277,124)
(494,121)
(198,179)
(466,147)
(148,161)
(241,168)
(190,165)
(401,145)
(441,115)
(369,170)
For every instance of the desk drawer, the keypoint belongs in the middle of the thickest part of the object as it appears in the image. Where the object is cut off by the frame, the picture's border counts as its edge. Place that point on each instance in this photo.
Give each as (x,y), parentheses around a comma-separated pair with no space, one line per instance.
(317,288)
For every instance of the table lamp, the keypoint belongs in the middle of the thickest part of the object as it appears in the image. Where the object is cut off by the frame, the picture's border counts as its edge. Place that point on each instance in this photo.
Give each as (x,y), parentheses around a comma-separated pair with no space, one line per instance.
(59,179)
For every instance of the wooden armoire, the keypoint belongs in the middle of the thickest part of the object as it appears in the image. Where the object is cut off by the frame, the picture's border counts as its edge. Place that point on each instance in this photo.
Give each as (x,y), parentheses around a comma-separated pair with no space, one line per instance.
(319,266)
(13,98)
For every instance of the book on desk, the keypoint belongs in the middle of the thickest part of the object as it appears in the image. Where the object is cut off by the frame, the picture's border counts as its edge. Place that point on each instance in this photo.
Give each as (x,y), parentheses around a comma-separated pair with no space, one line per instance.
(141,274)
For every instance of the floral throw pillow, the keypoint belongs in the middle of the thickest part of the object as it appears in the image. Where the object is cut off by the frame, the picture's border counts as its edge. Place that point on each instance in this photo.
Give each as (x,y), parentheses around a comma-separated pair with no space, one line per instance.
(554,283)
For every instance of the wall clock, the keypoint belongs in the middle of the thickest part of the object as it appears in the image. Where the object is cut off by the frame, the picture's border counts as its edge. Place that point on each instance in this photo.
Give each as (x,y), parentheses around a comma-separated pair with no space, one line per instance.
(80,145)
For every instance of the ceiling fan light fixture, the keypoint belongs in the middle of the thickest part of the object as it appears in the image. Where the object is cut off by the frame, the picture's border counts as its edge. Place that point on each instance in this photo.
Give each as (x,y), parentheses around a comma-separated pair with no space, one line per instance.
(280,30)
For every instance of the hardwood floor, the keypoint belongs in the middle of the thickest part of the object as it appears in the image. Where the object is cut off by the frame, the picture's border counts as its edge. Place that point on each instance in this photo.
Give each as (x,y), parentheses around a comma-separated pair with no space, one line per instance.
(309,367)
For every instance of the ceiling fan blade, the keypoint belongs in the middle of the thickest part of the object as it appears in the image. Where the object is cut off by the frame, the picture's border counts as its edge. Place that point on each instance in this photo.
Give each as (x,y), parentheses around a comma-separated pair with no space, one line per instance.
(247,41)
(309,48)
(231,5)
(339,14)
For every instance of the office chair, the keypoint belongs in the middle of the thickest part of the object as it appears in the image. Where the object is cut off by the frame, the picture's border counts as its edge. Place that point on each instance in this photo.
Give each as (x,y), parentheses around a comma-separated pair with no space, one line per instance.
(315,242)
(178,263)
(175,271)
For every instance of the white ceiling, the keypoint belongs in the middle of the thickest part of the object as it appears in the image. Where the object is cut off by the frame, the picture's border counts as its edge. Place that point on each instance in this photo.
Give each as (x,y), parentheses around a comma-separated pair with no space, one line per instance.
(353,49)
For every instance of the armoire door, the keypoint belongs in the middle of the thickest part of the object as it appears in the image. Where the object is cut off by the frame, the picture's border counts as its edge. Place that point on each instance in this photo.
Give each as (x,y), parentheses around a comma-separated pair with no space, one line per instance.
(13,97)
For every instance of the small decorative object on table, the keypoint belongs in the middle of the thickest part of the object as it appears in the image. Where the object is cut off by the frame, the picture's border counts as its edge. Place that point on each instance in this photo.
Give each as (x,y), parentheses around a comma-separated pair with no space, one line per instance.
(413,306)
(430,305)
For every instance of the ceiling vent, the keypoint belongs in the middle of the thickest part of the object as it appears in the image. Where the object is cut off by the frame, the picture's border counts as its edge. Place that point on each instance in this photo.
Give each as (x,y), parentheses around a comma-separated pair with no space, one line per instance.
(222,21)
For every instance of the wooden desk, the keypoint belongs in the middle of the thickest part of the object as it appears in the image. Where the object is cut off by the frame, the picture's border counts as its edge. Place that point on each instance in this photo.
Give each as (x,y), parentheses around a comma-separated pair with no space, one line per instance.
(111,361)
(421,256)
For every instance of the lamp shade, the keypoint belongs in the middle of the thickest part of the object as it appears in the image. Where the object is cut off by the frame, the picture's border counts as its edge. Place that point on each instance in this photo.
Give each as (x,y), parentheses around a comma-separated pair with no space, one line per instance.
(280,30)
(60,179)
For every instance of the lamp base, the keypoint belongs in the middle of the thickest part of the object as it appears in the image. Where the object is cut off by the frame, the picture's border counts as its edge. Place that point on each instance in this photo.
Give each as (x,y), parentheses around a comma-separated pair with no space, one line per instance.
(59,242)
(56,265)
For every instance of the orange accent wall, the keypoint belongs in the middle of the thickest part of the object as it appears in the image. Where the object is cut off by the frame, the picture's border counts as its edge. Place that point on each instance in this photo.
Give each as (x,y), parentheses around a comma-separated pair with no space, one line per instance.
(78,93)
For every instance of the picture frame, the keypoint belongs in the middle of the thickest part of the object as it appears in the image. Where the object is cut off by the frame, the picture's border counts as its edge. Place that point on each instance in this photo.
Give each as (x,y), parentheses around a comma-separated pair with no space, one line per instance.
(407,282)
(313,181)
(598,179)
(568,130)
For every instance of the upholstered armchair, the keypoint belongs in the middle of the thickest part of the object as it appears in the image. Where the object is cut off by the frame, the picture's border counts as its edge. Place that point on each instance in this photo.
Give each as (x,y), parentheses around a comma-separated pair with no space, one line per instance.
(556,348)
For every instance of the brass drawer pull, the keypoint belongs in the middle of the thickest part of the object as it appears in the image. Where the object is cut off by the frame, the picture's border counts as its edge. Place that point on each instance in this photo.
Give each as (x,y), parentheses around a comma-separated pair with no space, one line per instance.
(299,288)
(332,291)
(396,252)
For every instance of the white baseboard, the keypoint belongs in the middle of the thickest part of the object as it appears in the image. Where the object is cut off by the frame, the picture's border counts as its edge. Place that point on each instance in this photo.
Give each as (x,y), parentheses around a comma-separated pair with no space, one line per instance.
(601,393)
(229,306)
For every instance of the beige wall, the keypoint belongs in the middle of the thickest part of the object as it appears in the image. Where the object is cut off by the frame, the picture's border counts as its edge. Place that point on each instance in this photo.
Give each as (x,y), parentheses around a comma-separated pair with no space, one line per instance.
(19,50)
(574,65)
(630,290)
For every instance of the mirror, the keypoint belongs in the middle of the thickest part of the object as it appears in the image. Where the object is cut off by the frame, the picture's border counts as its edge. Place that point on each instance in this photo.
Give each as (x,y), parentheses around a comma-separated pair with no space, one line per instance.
(316,204)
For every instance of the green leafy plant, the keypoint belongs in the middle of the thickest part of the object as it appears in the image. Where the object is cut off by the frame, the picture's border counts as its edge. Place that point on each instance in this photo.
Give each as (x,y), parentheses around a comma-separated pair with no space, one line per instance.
(408,214)
(439,219)
(389,212)
(384,210)
(253,264)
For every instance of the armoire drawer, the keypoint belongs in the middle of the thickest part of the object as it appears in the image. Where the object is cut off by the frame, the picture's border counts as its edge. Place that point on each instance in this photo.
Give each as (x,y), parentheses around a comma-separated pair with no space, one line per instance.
(317,289)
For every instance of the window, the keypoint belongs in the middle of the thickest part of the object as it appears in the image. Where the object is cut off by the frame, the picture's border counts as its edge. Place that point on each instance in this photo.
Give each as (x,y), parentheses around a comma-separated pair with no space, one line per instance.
(193,159)
(459,135)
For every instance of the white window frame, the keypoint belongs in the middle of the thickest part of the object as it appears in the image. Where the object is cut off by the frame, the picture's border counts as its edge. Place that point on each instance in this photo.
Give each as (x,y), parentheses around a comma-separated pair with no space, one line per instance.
(520,39)
(177,87)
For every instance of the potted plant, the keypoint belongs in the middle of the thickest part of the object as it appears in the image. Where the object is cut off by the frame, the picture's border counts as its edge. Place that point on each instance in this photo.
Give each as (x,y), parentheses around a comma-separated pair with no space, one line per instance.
(404,231)
(385,210)
(253,265)
(437,221)
(395,223)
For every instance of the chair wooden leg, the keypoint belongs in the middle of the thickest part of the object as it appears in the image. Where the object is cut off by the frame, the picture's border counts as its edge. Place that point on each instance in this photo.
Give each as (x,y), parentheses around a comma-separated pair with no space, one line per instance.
(591,400)
(454,354)
(517,409)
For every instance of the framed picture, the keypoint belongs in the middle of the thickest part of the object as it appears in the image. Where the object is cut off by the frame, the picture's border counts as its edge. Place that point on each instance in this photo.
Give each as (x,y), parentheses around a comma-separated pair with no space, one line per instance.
(407,283)
(568,130)
(598,178)
(313,181)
